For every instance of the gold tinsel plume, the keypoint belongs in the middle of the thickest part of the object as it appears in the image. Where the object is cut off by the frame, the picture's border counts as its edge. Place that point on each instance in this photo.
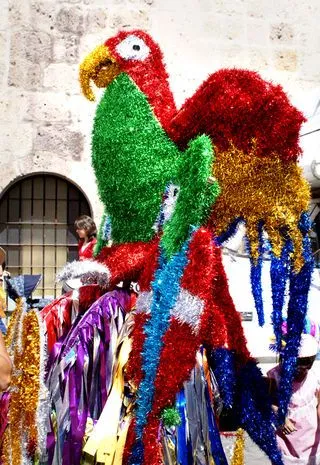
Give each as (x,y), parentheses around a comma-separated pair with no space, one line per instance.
(261,189)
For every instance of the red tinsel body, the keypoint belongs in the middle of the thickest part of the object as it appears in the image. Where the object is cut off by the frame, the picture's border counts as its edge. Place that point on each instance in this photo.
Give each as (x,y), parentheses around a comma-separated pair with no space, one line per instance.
(128,261)
(133,370)
(177,359)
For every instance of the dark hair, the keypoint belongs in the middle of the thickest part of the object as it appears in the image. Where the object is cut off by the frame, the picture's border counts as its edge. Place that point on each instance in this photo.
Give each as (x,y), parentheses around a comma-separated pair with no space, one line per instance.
(86,223)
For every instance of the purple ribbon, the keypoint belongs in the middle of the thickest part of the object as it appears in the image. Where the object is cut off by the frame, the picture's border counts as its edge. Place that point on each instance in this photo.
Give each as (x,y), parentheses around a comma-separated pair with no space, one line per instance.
(79,378)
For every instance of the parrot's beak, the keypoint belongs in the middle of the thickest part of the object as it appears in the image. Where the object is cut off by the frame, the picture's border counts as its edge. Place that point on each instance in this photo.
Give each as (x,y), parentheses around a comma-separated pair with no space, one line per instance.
(100,67)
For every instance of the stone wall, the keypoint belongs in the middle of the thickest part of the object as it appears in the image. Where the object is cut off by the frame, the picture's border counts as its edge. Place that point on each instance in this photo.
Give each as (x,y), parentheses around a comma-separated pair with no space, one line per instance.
(45,122)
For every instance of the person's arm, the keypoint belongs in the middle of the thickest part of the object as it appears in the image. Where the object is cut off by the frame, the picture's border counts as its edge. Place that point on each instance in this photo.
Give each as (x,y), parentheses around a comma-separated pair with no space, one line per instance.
(5,366)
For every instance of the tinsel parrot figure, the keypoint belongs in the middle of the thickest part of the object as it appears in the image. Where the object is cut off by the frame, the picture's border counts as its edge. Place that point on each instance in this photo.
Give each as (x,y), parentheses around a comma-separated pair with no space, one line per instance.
(164,224)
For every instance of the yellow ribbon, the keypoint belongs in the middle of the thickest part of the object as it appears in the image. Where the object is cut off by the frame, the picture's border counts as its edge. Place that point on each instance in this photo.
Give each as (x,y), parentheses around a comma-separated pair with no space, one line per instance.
(104,442)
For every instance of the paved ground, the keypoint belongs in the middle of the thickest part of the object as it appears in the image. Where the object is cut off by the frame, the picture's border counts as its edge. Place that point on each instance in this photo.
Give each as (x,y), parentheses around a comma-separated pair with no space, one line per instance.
(252,455)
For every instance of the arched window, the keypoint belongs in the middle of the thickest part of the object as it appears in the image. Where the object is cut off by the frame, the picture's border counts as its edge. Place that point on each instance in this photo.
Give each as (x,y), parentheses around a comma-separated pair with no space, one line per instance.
(36,227)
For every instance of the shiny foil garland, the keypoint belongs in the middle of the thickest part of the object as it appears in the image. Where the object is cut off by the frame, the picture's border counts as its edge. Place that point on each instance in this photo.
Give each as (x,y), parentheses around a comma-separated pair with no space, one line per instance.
(80,375)
(279,274)
(238,452)
(256,273)
(297,309)
(237,106)
(254,410)
(165,288)
(266,190)
(222,362)
(21,439)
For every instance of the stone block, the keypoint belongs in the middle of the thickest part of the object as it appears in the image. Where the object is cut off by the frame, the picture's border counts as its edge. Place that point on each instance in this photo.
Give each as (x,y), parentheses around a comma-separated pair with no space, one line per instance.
(139,3)
(43,14)
(34,46)
(89,41)
(16,140)
(62,77)
(19,13)
(309,69)
(4,18)
(225,7)
(257,32)
(285,60)
(59,139)
(3,61)
(257,58)
(48,107)
(96,19)
(51,162)
(129,19)
(281,33)
(101,2)
(232,56)
(70,20)
(259,9)
(233,30)
(66,48)
(26,75)
(13,105)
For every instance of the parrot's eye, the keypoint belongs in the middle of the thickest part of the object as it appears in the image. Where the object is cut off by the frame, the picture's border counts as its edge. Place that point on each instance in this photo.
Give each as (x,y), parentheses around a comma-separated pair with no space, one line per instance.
(133,48)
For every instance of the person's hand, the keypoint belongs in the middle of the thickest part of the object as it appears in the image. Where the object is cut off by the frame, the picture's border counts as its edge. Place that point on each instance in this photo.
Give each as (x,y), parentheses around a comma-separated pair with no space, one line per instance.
(288,427)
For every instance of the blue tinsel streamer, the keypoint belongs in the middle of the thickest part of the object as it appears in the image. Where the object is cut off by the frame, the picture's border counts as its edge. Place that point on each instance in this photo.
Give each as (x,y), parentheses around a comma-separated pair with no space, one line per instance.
(184,455)
(297,309)
(255,411)
(279,274)
(165,287)
(136,457)
(255,276)
(223,365)
(229,233)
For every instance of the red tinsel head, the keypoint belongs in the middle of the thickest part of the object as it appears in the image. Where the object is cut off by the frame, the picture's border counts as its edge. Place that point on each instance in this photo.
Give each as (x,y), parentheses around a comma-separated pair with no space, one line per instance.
(137,54)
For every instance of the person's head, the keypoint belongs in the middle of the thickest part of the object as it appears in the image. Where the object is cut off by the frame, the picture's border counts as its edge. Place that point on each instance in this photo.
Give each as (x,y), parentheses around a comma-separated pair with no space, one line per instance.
(85,227)
(307,354)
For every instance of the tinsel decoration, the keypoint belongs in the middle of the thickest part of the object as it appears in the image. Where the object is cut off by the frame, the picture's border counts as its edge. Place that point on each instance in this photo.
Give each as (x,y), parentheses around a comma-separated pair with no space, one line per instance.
(254,411)
(154,84)
(80,376)
(102,234)
(170,417)
(135,160)
(196,194)
(256,189)
(22,437)
(279,274)
(165,290)
(236,106)
(222,362)
(297,309)
(136,184)
(83,269)
(255,274)
(238,453)
(230,232)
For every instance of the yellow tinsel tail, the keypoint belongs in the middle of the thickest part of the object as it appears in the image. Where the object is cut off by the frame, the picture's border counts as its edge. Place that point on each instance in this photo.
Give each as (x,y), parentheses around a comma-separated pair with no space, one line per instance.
(238,453)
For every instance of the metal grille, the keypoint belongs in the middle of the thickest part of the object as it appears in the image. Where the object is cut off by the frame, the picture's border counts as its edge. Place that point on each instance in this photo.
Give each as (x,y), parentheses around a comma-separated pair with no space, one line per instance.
(37,215)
